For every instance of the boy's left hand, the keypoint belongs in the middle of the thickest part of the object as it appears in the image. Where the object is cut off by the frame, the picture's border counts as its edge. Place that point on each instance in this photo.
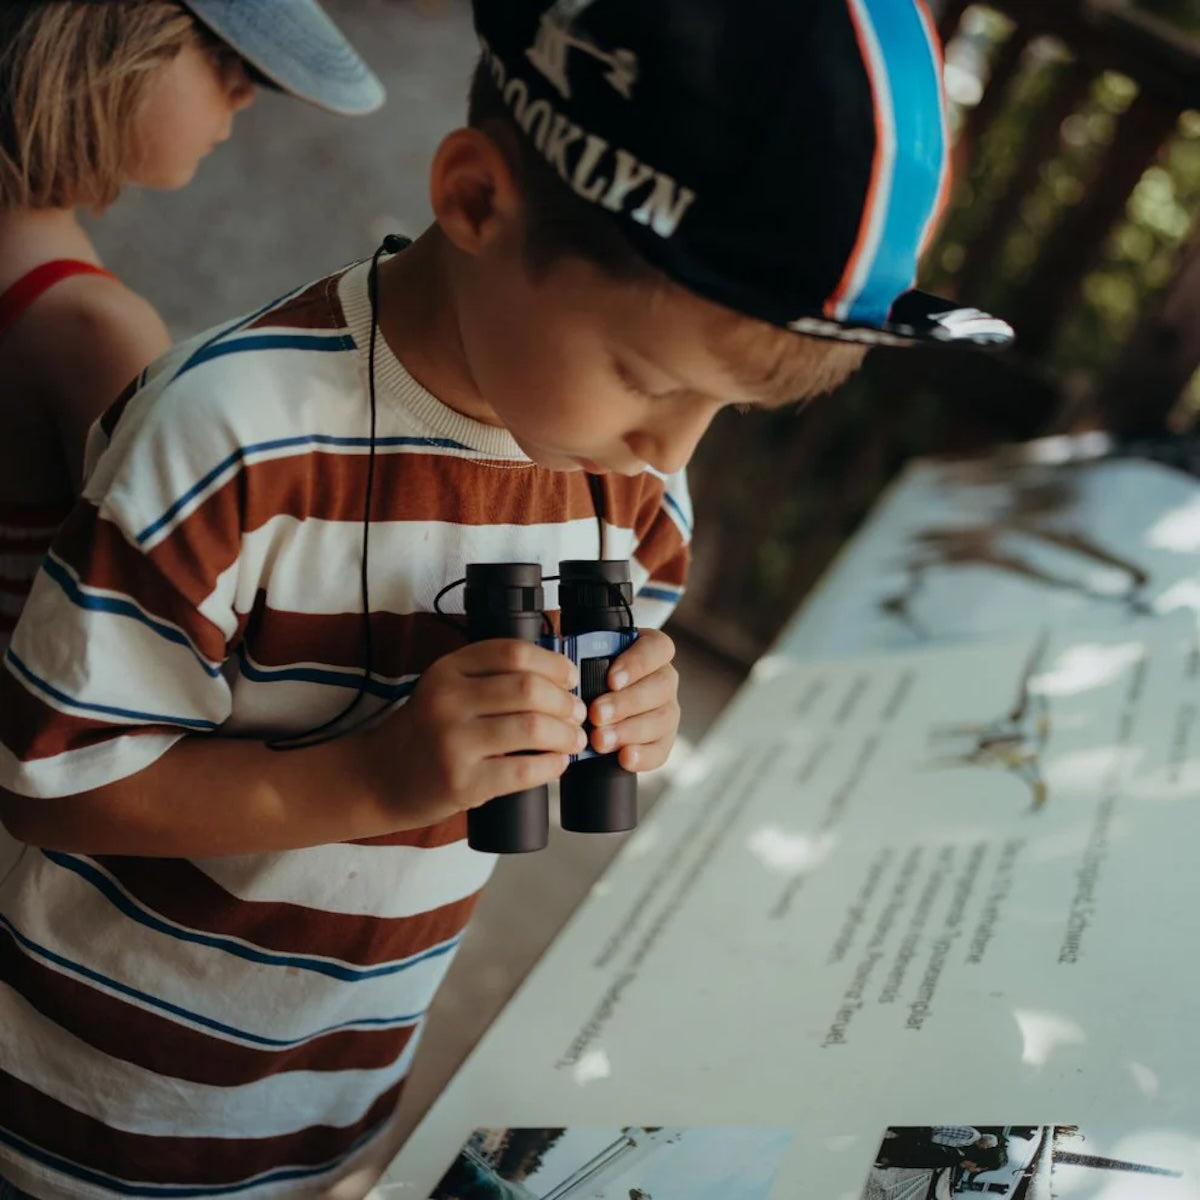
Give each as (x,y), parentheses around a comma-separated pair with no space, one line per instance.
(640,716)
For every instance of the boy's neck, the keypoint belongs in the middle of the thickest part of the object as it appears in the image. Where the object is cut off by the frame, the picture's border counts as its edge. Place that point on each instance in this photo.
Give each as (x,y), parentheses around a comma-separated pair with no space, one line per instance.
(419,321)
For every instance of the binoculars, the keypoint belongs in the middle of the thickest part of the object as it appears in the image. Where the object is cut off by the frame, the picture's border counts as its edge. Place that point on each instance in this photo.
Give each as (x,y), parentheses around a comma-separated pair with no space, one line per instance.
(596,794)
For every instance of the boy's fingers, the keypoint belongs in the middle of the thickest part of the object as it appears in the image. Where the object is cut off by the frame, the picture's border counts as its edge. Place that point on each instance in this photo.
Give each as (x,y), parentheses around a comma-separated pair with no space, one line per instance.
(528,731)
(518,772)
(642,730)
(645,758)
(657,690)
(503,656)
(495,695)
(652,651)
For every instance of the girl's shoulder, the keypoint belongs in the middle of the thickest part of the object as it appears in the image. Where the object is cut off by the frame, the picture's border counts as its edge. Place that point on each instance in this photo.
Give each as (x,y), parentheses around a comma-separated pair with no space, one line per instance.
(72,352)
(90,326)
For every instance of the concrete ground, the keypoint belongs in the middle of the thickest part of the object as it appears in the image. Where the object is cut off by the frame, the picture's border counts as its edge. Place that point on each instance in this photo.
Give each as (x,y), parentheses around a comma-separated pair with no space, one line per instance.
(295,194)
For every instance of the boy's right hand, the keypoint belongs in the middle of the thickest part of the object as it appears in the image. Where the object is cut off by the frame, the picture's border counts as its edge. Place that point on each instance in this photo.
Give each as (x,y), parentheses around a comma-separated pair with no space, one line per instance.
(454,745)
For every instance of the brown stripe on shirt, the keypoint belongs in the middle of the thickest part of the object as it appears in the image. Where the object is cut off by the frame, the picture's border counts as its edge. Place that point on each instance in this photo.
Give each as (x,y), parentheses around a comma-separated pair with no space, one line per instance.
(102,558)
(411,485)
(317,307)
(183,894)
(402,643)
(34,729)
(663,552)
(166,1046)
(29,1114)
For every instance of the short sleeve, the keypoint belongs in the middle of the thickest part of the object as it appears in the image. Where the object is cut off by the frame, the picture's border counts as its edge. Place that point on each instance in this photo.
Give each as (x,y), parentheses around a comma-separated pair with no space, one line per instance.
(663,552)
(121,646)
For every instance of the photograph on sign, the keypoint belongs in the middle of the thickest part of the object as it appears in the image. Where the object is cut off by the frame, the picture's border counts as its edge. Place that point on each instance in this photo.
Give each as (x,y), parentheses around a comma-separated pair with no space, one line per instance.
(626,1163)
(1017,1162)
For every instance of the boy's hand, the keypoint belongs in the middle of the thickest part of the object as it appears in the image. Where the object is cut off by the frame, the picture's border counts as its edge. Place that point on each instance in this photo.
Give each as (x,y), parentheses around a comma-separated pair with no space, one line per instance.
(448,749)
(640,716)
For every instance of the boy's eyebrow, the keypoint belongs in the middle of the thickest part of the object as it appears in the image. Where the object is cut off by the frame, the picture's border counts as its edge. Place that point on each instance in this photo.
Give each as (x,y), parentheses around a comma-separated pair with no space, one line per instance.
(760,388)
(764,391)
(764,381)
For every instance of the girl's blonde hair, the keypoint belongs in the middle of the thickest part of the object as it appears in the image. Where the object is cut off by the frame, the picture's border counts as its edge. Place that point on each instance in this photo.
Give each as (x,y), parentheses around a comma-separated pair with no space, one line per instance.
(72,76)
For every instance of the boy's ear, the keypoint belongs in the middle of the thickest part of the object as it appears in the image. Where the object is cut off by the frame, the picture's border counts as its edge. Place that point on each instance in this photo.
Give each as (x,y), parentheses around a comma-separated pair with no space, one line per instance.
(473,191)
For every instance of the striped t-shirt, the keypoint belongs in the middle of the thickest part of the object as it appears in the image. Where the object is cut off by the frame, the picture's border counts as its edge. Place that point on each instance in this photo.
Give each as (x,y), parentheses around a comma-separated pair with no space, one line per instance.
(25,533)
(242,1025)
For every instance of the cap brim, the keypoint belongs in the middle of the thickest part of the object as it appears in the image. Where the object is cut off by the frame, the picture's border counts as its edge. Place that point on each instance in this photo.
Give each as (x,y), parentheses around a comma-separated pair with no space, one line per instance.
(917,319)
(296,46)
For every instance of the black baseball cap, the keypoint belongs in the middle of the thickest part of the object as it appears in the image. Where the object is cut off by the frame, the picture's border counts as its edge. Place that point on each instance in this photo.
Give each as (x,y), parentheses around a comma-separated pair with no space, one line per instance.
(785,158)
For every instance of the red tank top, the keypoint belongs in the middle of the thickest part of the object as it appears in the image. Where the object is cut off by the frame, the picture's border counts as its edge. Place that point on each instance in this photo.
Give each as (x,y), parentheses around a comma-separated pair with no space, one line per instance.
(26,530)
(30,286)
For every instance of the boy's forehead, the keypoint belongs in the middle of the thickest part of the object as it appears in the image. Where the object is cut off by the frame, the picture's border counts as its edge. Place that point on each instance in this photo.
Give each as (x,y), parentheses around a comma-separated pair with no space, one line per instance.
(677,340)
(717,352)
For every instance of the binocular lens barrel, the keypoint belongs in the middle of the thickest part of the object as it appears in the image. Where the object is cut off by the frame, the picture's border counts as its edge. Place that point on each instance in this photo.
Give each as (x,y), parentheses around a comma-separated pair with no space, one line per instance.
(594,595)
(596,795)
(506,600)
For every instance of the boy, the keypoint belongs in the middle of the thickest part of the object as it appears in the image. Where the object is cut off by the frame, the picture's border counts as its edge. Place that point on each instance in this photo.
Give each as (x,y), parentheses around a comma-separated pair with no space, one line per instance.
(217,962)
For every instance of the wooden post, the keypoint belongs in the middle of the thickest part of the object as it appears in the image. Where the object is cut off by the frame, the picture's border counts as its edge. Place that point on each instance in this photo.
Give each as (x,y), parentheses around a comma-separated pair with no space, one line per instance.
(1156,364)
(1077,240)
(1044,141)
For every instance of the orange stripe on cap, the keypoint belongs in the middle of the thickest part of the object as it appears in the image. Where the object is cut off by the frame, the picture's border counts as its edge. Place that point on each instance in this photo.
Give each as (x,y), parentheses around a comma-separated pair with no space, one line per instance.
(877,167)
(944,186)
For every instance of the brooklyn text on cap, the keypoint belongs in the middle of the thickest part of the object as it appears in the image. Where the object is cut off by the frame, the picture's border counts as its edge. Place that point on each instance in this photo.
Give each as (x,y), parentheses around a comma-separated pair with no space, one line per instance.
(786,159)
(295,45)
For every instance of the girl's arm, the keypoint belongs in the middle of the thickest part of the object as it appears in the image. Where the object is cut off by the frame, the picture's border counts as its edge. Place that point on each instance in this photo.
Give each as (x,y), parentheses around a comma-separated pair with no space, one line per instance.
(94,336)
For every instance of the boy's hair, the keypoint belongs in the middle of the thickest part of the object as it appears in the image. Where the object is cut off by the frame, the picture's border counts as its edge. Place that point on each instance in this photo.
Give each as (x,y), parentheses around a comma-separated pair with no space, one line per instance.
(71,79)
(774,364)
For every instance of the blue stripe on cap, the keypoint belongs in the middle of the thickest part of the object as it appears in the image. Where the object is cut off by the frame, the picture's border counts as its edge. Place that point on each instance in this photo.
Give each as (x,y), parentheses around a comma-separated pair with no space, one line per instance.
(905,71)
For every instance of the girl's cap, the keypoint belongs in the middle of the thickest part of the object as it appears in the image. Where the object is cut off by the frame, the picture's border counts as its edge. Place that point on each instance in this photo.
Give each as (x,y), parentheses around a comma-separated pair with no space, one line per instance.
(294,45)
(785,158)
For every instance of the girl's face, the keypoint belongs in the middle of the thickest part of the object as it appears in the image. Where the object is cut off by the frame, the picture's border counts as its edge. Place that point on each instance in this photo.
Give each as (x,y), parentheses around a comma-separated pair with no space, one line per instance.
(187,110)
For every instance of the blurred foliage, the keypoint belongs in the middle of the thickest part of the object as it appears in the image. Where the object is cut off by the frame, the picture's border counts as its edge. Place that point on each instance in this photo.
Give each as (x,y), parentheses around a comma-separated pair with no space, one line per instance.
(1184,13)
(1137,260)
(837,456)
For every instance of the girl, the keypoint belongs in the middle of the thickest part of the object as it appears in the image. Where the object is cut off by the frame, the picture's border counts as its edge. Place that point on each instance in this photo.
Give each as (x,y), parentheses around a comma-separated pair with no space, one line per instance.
(94,97)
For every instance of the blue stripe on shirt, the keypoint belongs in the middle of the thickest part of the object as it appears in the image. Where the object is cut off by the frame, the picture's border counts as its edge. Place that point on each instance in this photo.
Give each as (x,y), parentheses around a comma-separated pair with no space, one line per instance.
(195,1018)
(240,323)
(106,710)
(85,599)
(675,507)
(266,341)
(319,966)
(310,674)
(670,595)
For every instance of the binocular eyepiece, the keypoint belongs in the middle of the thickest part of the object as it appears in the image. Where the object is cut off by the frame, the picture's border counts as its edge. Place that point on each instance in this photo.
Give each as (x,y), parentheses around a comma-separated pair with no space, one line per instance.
(596,794)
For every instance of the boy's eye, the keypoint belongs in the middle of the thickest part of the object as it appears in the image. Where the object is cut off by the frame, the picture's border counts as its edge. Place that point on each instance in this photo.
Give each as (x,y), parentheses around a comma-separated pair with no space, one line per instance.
(631,384)
(627,380)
